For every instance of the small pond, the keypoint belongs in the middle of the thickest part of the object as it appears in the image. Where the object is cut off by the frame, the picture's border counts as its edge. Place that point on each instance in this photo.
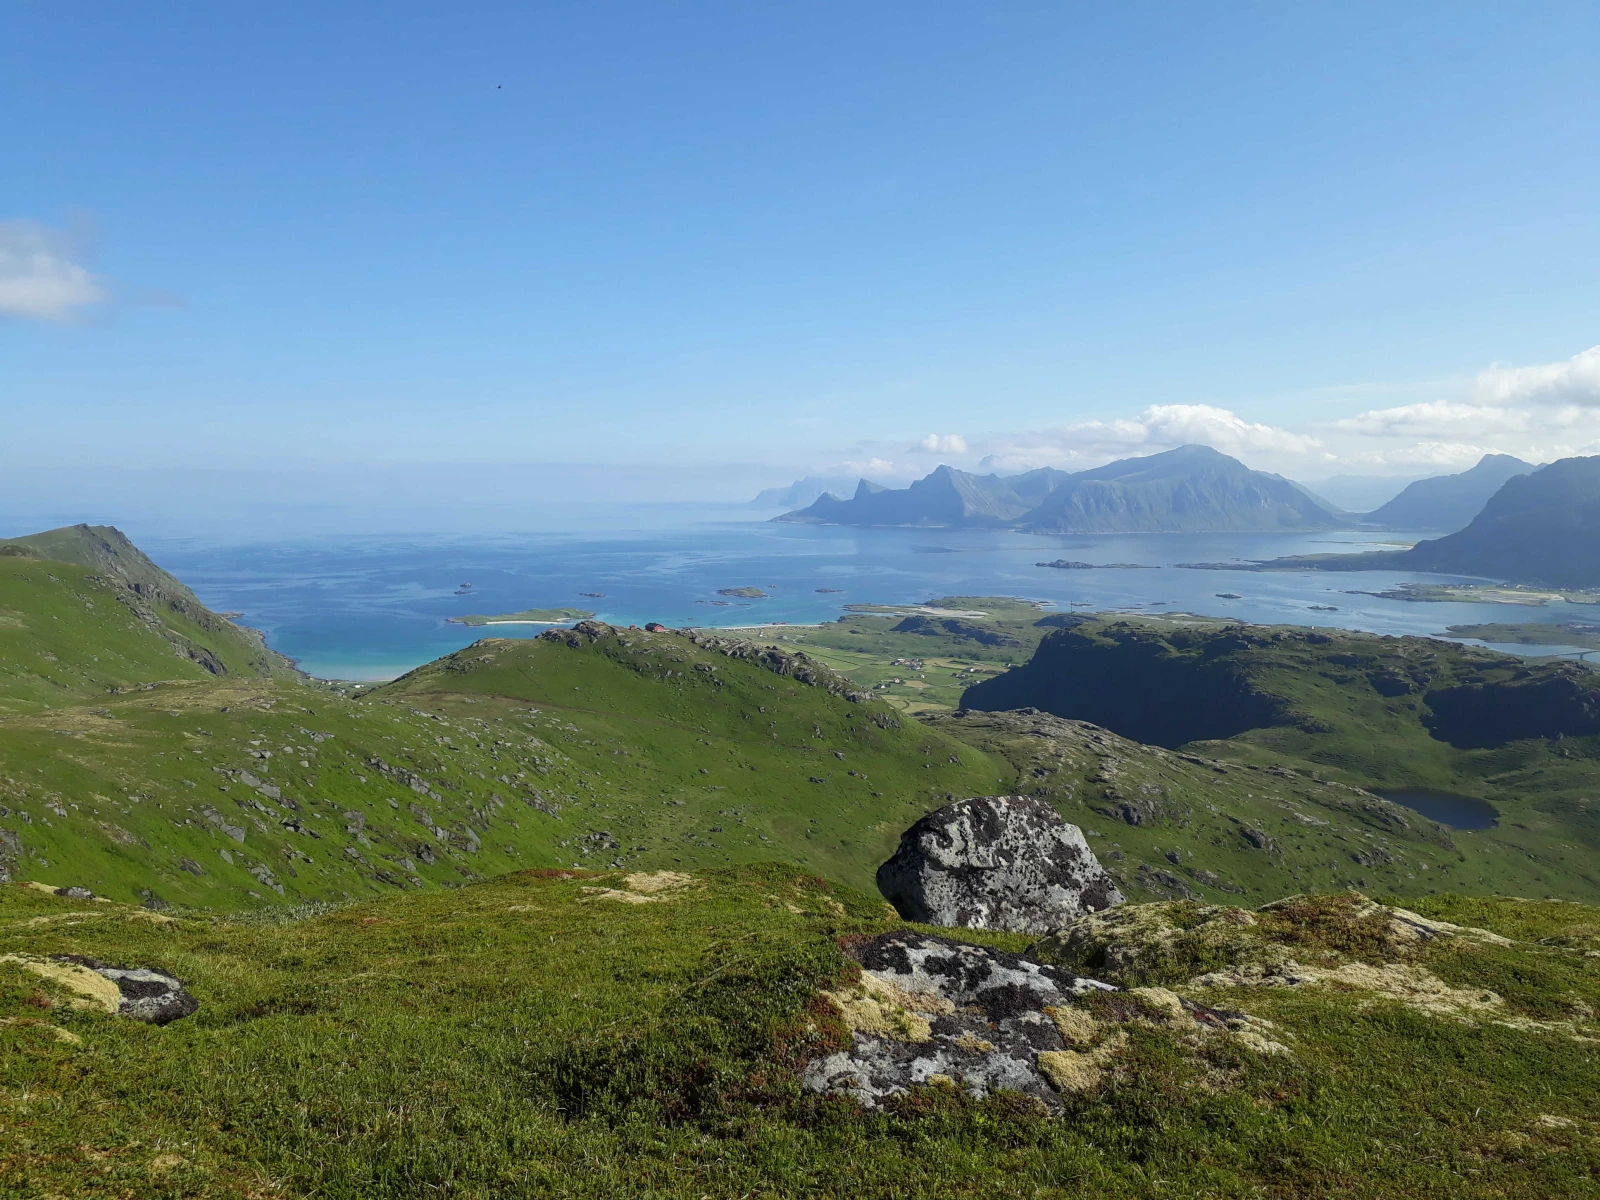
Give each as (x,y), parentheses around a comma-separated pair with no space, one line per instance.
(1447,808)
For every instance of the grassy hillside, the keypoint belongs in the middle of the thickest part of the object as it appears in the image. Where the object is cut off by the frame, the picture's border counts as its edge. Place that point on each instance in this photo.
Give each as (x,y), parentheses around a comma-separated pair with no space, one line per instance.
(1175,826)
(128,768)
(561,1034)
(1371,712)
(620,749)
(1181,825)
(70,593)
(711,757)
(509,926)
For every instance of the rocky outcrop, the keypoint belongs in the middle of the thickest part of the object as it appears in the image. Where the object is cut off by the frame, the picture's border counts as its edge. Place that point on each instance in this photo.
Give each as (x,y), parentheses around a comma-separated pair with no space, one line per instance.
(927,1011)
(135,992)
(931,1010)
(149,996)
(791,664)
(996,862)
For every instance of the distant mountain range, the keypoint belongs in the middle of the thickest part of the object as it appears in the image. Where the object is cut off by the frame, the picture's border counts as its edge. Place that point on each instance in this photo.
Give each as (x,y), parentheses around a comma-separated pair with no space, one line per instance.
(1449,502)
(946,498)
(1541,527)
(1190,489)
(803,491)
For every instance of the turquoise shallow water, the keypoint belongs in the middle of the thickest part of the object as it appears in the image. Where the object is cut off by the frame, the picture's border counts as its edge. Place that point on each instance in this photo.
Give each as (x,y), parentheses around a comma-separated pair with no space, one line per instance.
(374,607)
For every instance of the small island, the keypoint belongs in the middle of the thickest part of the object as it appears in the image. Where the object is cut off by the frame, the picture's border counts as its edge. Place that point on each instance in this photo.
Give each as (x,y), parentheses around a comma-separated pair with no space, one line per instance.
(1067,564)
(747,593)
(528,616)
(1566,633)
(1448,593)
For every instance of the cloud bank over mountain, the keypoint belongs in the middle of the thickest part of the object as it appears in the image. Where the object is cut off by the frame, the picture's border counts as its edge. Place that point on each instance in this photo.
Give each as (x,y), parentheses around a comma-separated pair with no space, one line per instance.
(1539,413)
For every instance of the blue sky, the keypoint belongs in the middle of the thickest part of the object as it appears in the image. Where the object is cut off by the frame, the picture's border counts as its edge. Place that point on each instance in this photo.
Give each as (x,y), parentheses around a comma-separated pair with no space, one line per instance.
(745,241)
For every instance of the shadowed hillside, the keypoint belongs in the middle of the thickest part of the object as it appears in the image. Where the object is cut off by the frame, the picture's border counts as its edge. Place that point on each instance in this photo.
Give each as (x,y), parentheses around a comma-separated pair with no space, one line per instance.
(1378,713)
(1538,528)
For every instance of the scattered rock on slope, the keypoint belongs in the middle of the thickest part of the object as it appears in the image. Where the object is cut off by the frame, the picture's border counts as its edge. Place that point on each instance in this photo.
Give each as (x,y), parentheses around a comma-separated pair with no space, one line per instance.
(996,862)
(929,1011)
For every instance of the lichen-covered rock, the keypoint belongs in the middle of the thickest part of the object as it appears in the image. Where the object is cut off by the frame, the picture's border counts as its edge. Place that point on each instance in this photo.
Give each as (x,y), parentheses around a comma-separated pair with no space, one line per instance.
(143,994)
(1174,941)
(929,1010)
(1164,941)
(996,862)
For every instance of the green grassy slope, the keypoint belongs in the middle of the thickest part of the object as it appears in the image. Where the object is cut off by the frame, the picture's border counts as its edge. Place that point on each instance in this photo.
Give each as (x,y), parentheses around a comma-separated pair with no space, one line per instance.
(237,792)
(535,1036)
(67,633)
(689,738)
(101,558)
(1171,824)
(1372,712)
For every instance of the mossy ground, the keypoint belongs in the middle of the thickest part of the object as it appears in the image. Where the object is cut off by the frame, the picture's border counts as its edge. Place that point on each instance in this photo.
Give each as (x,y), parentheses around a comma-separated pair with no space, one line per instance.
(532,1036)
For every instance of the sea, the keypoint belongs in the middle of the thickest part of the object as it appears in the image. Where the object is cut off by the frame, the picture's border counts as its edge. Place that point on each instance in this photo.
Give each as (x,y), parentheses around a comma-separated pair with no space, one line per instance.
(371,607)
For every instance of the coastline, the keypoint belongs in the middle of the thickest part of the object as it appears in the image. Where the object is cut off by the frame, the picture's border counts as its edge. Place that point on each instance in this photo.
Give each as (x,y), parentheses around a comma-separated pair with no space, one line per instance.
(480,624)
(768,625)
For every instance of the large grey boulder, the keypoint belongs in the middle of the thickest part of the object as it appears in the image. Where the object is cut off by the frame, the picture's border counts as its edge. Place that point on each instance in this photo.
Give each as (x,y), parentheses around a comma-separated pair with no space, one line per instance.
(996,862)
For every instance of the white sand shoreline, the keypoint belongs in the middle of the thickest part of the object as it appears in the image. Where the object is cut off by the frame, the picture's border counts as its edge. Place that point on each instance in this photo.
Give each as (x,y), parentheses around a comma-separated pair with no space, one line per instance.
(770,625)
(479,625)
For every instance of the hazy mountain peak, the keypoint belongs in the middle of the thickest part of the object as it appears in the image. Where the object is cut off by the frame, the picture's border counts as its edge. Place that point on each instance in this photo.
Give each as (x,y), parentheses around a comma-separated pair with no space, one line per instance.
(1189,488)
(1449,502)
(1541,526)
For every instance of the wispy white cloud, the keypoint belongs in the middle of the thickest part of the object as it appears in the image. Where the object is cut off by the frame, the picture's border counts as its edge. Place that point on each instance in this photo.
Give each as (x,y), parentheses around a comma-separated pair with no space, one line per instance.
(1538,413)
(941,443)
(1575,380)
(1159,427)
(1437,418)
(41,277)
(1441,456)
(869,467)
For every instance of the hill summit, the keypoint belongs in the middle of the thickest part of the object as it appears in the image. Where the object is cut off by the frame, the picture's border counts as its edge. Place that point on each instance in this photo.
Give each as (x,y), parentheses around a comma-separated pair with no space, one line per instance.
(105,560)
